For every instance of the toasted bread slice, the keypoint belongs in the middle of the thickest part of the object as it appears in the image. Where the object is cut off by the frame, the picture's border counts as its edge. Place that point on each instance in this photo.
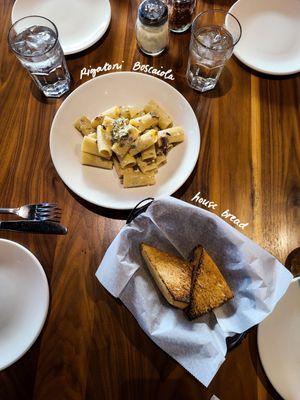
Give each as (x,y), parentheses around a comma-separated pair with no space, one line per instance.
(172,275)
(197,259)
(209,288)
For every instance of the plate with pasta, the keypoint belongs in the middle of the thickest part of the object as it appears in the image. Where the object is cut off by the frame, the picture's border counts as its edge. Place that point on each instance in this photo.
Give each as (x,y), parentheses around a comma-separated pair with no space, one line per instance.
(124,136)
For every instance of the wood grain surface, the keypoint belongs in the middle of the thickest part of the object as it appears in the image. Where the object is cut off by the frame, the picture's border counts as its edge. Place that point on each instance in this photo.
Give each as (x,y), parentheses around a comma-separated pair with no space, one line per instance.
(91,347)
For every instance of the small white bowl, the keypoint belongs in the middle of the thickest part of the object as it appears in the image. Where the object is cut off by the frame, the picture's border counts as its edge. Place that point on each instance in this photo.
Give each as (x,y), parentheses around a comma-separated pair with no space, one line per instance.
(24,301)
(278,342)
(270,41)
(80,24)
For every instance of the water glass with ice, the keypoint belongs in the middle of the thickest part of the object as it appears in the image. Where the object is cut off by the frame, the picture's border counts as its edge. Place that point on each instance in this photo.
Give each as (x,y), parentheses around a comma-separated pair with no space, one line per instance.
(34,40)
(214,35)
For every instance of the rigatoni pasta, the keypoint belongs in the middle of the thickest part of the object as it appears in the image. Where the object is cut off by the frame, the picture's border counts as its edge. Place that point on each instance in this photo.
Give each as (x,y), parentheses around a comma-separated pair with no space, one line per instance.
(95,161)
(135,178)
(149,154)
(89,145)
(104,147)
(143,142)
(144,122)
(173,135)
(127,161)
(133,140)
(84,125)
(164,120)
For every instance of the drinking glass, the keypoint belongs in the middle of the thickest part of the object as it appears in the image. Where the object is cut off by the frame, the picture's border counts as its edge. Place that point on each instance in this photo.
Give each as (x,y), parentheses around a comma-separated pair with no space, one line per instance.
(214,35)
(34,40)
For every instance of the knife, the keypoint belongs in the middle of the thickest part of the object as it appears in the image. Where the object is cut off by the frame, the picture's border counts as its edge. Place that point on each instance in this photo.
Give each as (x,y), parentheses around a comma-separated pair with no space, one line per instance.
(48,227)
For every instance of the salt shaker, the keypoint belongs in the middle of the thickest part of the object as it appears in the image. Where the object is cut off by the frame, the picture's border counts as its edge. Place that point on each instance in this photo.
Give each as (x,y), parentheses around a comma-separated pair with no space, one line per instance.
(180,14)
(152,28)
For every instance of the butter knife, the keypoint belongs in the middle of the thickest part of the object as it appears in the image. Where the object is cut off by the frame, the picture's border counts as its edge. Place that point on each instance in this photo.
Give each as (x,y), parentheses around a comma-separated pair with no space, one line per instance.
(48,227)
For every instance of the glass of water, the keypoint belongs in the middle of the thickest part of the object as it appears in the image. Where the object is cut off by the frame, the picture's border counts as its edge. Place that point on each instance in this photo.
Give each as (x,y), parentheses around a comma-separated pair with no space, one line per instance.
(34,40)
(214,35)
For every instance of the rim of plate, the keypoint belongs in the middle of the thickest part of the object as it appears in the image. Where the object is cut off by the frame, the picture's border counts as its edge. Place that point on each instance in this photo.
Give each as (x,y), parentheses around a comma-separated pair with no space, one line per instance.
(97,36)
(90,82)
(47,297)
(274,384)
(249,63)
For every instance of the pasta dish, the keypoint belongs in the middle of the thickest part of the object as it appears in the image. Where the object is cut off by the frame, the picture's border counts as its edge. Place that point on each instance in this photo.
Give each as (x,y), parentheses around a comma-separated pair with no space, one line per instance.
(135,141)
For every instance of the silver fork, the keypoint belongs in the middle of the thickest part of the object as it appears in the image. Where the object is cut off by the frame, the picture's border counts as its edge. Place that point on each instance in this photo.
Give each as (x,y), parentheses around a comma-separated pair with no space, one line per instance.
(36,212)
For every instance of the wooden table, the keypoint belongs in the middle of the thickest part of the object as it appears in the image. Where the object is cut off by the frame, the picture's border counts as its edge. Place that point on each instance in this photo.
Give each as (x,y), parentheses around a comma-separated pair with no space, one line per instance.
(91,347)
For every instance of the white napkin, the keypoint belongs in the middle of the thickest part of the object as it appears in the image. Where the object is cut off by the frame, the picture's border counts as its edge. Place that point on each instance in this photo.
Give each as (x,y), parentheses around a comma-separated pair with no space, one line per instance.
(257,279)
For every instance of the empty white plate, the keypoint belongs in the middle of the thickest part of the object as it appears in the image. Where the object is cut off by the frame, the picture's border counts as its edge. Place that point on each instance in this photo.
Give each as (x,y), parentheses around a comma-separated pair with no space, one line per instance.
(102,187)
(279,344)
(80,23)
(24,300)
(270,41)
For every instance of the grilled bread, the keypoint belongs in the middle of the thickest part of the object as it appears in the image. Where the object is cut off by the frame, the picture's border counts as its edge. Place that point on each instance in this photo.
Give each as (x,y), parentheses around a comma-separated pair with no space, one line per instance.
(209,288)
(172,275)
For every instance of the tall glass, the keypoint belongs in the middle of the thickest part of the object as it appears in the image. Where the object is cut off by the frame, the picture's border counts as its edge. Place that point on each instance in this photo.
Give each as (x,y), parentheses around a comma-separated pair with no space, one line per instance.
(34,40)
(214,35)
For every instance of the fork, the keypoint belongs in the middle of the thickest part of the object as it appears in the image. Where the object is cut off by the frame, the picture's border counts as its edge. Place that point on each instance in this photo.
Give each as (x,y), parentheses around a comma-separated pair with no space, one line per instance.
(36,212)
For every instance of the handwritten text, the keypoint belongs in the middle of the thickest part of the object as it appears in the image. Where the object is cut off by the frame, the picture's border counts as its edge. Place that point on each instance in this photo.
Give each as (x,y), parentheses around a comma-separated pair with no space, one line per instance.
(225,214)
(104,68)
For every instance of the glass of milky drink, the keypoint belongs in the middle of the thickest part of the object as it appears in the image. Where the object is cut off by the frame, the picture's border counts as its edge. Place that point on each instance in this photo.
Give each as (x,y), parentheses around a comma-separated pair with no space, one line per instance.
(34,40)
(214,35)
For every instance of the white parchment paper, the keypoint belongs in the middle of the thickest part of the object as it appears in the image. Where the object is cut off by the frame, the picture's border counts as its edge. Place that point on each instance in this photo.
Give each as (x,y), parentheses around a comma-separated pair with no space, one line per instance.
(257,279)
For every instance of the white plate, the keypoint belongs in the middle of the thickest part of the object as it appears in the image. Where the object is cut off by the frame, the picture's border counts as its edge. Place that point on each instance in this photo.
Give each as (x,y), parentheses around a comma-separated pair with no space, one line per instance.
(102,187)
(279,344)
(80,23)
(24,300)
(270,41)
